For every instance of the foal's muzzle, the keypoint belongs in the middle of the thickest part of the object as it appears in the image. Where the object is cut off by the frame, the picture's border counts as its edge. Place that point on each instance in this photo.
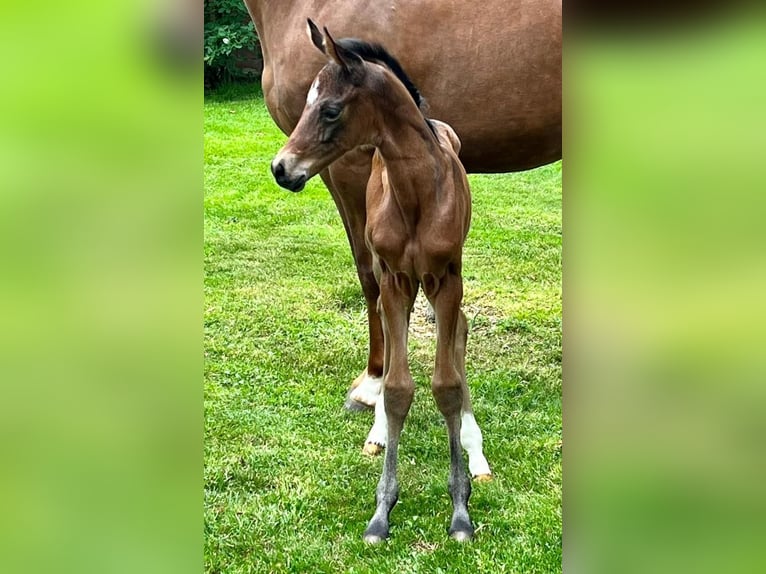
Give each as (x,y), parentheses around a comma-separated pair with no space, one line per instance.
(291,181)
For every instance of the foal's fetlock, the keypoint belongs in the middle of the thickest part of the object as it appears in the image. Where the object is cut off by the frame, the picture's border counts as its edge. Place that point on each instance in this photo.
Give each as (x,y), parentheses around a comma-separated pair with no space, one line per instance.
(377,529)
(461,528)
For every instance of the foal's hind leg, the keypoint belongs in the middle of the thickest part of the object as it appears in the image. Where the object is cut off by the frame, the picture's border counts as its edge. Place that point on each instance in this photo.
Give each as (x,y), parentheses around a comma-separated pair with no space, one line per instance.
(470,433)
(448,388)
(396,296)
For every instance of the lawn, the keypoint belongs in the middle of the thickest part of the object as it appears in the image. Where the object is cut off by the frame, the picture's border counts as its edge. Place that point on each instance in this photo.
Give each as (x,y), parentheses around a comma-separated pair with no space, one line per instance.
(287,488)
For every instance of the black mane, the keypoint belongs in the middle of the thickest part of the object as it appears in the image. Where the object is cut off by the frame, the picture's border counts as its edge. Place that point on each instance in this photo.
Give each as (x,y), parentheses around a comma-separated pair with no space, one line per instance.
(377,53)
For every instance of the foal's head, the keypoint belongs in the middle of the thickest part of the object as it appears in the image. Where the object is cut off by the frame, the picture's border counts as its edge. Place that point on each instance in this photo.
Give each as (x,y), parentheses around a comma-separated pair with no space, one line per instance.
(342,107)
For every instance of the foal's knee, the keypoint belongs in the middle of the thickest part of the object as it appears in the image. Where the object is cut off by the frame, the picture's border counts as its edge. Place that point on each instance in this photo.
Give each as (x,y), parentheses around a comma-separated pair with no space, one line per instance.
(397,397)
(448,393)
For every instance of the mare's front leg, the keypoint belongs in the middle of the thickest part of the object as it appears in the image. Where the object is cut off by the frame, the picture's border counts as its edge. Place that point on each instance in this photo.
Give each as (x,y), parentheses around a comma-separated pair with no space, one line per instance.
(448,387)
(347,181)
(397,293)
(378,435)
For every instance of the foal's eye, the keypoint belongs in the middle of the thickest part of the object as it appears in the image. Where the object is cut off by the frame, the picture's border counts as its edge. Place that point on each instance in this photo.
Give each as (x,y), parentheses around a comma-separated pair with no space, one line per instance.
(331,114)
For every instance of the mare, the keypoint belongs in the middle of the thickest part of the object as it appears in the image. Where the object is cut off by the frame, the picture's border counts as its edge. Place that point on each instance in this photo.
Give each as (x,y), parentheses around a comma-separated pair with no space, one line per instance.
(418,215)
(491,70)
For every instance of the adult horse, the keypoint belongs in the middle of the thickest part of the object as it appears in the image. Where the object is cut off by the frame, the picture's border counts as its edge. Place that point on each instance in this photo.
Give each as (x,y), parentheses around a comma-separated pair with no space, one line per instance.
(492,71)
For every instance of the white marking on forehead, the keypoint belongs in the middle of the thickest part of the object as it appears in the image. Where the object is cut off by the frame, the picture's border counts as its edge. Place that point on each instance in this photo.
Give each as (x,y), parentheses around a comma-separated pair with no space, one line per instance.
(313,93)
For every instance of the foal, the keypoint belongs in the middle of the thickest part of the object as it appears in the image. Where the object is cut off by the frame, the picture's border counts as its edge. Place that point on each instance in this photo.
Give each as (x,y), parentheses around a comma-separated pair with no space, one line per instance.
(418,214)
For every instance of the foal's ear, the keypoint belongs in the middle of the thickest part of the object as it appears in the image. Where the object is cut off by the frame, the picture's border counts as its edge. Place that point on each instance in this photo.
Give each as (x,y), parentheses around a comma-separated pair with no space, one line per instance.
(315,35)
(346,58)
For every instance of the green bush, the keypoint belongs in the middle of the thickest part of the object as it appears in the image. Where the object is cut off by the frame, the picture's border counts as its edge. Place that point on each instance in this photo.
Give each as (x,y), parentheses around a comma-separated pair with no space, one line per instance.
(228,29)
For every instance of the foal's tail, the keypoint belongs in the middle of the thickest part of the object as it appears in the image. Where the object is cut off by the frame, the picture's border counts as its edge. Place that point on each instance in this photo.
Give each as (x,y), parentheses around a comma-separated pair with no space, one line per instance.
(446,134)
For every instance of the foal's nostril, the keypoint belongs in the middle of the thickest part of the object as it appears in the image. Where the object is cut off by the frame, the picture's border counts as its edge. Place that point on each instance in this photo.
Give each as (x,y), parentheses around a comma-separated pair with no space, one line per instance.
(278,169)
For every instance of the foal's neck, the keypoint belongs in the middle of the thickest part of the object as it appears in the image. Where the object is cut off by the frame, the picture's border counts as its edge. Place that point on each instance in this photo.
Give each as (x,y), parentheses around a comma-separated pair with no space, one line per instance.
(412,157)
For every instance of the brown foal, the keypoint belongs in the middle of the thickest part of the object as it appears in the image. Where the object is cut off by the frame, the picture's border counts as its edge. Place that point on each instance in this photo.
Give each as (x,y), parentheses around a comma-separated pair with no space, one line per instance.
(418,215)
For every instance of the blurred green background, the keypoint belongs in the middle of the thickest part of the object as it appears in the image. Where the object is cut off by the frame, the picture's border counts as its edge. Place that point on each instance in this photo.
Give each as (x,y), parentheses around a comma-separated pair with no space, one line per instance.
(101,288)
(664,308)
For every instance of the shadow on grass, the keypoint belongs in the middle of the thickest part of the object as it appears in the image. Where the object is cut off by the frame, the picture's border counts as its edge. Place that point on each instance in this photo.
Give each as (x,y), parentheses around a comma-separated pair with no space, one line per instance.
(234,92)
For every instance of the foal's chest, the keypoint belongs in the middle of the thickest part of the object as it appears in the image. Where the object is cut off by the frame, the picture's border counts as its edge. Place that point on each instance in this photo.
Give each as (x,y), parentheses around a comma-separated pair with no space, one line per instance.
(409,237)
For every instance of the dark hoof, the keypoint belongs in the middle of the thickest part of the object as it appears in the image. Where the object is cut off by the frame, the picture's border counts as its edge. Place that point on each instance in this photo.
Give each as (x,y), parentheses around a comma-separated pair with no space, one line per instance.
(461,536)
(372,448)
(355,406)
(375,533)
(461,531)
(373,539)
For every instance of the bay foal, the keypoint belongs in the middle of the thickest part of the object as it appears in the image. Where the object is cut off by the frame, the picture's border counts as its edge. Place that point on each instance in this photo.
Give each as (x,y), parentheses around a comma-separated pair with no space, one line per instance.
(418,214)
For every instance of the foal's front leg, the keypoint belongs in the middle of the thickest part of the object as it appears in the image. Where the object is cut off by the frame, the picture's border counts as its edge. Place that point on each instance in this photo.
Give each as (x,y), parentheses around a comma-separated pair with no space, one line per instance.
(397,293)
(449,390)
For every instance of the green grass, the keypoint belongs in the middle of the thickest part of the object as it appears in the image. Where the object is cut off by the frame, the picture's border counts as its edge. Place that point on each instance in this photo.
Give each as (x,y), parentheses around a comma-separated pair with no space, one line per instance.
(287,488)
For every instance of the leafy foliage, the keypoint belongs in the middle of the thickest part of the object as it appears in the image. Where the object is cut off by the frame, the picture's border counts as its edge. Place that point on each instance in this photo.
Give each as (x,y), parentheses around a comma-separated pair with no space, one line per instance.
(228,30)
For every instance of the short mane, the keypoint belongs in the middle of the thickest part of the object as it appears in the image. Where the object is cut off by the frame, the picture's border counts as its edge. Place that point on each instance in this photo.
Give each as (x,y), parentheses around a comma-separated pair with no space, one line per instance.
(377,53)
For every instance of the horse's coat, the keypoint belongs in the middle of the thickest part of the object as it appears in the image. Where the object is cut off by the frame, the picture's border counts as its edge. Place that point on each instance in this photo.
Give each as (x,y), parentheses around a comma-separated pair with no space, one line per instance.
(491,70)
(418,213)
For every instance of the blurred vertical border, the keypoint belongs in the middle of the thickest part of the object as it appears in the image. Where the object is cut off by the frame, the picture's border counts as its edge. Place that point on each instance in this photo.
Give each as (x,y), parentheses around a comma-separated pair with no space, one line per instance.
(101,286)
(664,287)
